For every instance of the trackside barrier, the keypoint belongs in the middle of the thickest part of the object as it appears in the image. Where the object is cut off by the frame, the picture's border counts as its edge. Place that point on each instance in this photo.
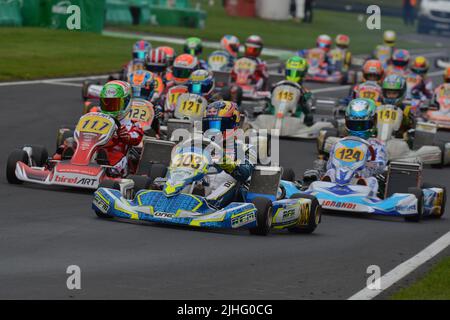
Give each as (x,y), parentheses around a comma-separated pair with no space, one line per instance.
(10,13)
(118,12)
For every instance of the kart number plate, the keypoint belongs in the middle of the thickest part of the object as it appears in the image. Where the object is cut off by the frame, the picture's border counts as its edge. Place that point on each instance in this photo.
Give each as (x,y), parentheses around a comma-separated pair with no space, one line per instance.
(387,116)
(218,59)
(188,160)
(369,94)
(94,124)
(140,113)
(285,96)
(191,107)
(349,154)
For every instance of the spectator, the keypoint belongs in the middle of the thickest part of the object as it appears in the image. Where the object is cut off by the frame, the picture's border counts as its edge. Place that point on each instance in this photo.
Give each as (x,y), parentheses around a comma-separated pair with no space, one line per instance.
(308,11)
(296,9)
(409,14)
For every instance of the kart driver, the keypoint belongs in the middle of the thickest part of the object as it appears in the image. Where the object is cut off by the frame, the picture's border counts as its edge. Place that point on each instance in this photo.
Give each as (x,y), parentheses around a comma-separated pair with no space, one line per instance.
(222,118)
(383,52)
(230,49)
(140,52)
(115,99)
(443,89)
(372,74)
(296,70)
(424,88)
(399,62)
(342,51)
(194,47)
(322,50)
(360,121)
(202,83)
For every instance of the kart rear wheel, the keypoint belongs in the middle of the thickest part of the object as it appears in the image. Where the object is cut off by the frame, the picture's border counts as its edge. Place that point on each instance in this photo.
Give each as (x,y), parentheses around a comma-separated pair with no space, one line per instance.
(426,185)
(288,175)
(140,183)
(60,138)
(419,195)
(39,155)
(263,216)
(156,170)
(15,156)
(314,218)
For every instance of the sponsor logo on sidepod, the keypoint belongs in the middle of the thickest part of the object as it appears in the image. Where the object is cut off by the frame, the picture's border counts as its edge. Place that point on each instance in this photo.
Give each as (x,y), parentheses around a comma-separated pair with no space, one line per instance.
(75,181)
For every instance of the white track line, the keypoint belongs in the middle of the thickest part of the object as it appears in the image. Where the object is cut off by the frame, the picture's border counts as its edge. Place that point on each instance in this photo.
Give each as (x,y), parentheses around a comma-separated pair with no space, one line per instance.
(405,268)
(51,81)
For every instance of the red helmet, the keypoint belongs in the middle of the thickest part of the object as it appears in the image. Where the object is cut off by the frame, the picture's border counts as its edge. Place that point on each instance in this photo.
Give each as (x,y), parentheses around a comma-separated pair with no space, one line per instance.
(156,61)
(373,70)
(324,42)
(342,41)
(170,54)
(183,66)
(254,46)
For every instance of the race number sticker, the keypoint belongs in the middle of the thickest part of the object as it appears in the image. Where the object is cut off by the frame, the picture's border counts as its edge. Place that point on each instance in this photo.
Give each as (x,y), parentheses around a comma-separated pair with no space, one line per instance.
(142,112)
(387,116)
(369,94)
(349,154)
(94,124)
(188,160)
(245,64)
(174,94)
(191,107)
(217,59)
(285,96)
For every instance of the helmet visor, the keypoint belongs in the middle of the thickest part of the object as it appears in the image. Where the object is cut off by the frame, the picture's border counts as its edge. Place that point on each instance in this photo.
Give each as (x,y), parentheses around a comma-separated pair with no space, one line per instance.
(217,124)
(112,104)
(139,55)
(142,92)
(182,73)
(391,94)
(294,75)
(199,88)
(359,125)
(253,51)
(156,68)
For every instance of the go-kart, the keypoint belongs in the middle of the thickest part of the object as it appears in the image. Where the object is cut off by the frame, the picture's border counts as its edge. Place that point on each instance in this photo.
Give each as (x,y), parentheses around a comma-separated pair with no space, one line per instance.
(440,112)
(285,99)
(219,61)
(389,119)
(181,198)
(383,54)
(402,194)
(83,167)
(321,71)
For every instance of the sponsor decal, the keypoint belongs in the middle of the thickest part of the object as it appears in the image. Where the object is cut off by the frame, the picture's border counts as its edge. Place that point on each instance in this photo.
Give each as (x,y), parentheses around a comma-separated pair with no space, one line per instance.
(339,205)
(288,214)
(412,207)
(89,182)
(243,219)
(164,215)
(101,204)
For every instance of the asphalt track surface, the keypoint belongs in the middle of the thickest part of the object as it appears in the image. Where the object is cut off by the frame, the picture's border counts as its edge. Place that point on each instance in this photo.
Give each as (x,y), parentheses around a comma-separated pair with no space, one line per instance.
(44,230)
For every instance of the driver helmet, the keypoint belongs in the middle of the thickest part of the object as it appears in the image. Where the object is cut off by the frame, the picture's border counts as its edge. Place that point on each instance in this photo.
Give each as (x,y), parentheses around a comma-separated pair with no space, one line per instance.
(115,99)
(183,66)
(447,75)
(394,89)
(342,41)
(373,70)
(222,116)
(400,58)
(201,82)
(360,118)
(420,65)
(156,61)
(389,37)
(142,84)
(170,54)
(324,42)
(230,44)
(193,46)
(141,49)
(254,46)
(296,69)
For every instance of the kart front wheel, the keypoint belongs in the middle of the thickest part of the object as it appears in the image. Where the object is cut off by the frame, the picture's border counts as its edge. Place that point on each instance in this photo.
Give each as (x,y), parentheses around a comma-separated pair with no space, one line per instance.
(140,183)
(314,215)
(15,156)
(263,216)
(39,155)
(426,185)
(417,192)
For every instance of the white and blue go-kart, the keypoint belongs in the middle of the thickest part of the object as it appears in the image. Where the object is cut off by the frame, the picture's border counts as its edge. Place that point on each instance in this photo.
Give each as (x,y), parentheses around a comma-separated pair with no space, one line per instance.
(402,194)
(265,203)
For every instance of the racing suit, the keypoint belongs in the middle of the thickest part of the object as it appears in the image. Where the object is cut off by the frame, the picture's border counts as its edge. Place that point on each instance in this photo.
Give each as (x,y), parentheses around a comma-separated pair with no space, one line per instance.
(341,65)
(260,77)
(375,165)
(421,90)
(221,188)
(133,65)
(308,54)
(383,53)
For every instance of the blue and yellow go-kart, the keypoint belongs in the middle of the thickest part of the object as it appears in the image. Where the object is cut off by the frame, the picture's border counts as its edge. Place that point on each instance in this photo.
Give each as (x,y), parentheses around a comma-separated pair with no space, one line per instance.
(183,198)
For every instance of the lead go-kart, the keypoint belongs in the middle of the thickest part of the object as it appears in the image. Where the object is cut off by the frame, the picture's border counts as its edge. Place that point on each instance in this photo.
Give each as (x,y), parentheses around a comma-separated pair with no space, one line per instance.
(83,166)
(181,197)
(428,145)
(285,99)
(401,192)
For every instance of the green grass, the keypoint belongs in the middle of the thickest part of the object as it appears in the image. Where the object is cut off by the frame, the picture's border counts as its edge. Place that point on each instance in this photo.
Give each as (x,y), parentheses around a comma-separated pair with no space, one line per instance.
(435,285)
(285,34)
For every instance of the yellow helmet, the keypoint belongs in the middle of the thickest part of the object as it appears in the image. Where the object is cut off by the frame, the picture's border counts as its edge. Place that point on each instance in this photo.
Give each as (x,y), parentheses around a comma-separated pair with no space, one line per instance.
(390,37)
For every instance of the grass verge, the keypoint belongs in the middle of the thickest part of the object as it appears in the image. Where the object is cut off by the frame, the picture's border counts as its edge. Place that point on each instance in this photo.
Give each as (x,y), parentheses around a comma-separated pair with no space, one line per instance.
(435,285)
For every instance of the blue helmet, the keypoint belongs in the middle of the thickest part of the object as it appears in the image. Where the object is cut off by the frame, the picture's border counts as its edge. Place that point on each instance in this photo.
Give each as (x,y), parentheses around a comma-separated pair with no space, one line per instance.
(201,82)
(143,84)
(360,118)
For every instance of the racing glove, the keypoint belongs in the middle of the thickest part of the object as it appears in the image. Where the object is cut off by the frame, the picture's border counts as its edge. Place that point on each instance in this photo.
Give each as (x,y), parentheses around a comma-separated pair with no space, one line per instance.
(124,135)
(227,164)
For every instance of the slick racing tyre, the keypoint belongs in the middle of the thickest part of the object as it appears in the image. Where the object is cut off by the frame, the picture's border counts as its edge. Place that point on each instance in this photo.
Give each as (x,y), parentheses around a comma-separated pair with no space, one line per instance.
(15,156)
(419,195)
(263,216)
(39,155)
(140,183)
(156,170)
(107,184)
(288,175)
(314,217)
(426,185)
